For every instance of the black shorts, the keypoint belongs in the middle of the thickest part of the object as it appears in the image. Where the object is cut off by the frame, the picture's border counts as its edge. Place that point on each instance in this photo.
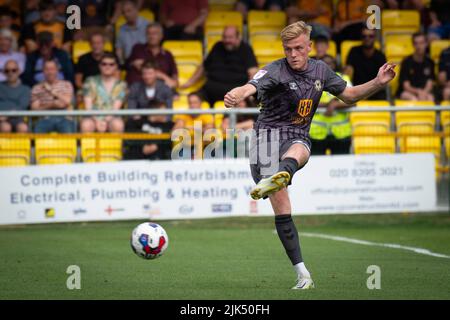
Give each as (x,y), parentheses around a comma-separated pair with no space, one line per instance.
(261,164)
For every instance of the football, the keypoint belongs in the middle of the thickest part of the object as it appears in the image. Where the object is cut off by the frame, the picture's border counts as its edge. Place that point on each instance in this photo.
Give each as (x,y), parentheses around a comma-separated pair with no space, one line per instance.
(149,240)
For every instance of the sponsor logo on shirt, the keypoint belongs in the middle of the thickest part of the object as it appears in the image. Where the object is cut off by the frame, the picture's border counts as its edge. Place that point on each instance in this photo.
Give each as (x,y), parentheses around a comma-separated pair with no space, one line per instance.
(259,74)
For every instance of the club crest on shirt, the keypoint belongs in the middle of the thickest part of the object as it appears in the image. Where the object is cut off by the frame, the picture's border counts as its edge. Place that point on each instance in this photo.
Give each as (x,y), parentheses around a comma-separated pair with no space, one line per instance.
(293,86)
(318,85)
(259,74)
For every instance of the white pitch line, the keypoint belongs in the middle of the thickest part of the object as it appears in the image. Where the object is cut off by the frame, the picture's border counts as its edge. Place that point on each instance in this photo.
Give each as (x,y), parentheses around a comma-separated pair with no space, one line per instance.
(375,244)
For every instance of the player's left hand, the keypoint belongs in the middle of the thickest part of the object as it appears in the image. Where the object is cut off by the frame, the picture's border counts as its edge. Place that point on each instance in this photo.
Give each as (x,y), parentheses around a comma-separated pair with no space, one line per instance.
(386,73)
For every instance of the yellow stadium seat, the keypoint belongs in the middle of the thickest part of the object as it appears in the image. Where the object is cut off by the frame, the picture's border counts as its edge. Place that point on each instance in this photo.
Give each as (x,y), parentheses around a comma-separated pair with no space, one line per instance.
(347,45)
(144,13)
(436,47)
(368,123)
(211,40)
(218,118)
(217,20)
(55,150)
(110,149)
(368,145)
(185,72)
(414,122)
(422,144)
(81,47)
(447,148)
(400,21)
(185,52)
(264,37)
(397,47)
(445,118)
(180,103)
(410,103)
(14,151)
(331,49)
(265,22)
(221,5)
(267,52)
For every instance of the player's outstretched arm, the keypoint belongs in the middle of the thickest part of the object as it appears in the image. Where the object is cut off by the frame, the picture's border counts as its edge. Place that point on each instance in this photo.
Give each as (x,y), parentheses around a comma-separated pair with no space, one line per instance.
(352,95)
(236,95)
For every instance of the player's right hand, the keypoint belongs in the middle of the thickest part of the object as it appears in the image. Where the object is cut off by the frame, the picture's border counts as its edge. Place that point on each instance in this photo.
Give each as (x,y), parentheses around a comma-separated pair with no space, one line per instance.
(230,100)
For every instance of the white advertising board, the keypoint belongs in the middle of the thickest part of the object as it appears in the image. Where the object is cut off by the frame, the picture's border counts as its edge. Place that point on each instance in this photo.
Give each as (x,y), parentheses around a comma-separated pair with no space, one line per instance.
(182,189)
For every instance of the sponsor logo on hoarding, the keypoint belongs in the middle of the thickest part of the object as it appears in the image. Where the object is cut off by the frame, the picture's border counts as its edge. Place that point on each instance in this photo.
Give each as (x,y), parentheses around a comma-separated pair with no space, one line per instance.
(21,214)
(221,207)
(150,210)
(78,211)
(49,213)
(185,209)
(109,210)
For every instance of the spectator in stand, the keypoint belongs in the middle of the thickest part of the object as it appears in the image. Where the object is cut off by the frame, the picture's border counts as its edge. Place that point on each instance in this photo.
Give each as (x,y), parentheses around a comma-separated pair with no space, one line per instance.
(439,14)
(230,63)
(88,63)
(152,51)
(7,21)
(13,96)
(243,121)
(183,20)
(184,121)
(132,32)
(149,89)
(48,22)
(8,52)
(104,92)
(317,13)
(47,51)
(31,11)
(52,94)
(350,19)
(154,124)
(244,6)
(364,61)
(417,72)
(321,45)
(444,73)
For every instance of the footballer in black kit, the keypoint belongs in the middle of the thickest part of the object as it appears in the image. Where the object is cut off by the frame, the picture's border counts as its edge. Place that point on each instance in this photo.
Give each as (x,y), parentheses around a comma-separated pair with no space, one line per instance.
(288,91)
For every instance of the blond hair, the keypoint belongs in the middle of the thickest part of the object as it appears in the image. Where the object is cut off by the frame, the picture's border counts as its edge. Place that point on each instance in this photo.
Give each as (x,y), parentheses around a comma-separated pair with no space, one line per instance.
(294,30)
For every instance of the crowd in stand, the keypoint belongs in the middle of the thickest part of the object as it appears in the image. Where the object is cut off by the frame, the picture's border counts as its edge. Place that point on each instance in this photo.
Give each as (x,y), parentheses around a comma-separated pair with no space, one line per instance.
(38,71)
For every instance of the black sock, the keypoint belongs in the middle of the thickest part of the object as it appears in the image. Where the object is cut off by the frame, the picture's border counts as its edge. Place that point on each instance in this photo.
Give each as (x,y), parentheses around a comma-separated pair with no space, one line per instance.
(288,164)
(287,232)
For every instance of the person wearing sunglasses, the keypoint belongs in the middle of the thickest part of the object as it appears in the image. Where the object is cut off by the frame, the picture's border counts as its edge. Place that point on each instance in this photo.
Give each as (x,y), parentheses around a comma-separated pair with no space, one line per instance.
(104,92)
(364,61)
(7,52)
(13,96)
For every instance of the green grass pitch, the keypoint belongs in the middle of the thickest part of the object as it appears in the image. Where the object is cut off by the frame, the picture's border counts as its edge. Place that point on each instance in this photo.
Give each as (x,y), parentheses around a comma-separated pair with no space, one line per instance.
(228,258)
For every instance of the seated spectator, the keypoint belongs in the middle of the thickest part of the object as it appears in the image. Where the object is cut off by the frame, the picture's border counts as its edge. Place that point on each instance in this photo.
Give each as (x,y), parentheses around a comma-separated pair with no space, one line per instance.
(8,52)
(364,61)
(417,73)
(243,121)
(48,22)
(47,51)
(7,22)
(31,11)
(439,13)
(350,19)
(104,92)
(13,96)
(154,124)
(183,20)
(88,63)
(244,6)
(185,121)
(52,94)
(230,63)
(321,44)
(132,32)
(149,89)
(317,13)
(444,73)
(152,51)
(331,130)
